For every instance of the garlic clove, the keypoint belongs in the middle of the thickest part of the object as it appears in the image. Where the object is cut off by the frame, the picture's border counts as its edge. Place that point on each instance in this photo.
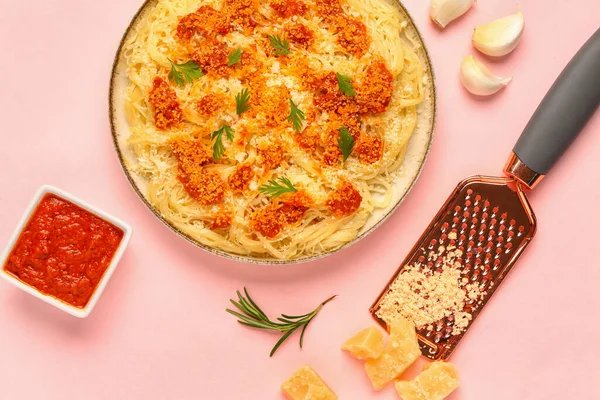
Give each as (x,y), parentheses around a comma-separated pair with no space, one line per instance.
(499,37)
(442,12)
(478,79)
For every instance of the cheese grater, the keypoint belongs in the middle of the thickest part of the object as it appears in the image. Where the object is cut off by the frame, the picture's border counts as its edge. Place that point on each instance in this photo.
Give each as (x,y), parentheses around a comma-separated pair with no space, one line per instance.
(489,219)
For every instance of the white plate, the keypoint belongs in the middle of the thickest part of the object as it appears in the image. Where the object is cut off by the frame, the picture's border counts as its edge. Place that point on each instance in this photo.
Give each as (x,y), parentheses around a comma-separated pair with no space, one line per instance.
(415,157)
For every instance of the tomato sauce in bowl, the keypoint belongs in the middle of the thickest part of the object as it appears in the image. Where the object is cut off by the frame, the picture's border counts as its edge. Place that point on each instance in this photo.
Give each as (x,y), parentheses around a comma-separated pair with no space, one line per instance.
(63,251)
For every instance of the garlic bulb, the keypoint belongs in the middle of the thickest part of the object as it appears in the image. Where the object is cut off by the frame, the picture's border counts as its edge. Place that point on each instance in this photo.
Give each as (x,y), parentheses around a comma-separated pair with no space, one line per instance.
(442,12)
(478,79)
(499,37)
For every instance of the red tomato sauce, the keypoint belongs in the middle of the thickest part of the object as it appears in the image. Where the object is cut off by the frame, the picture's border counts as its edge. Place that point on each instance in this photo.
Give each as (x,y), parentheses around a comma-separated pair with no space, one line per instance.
(64,251)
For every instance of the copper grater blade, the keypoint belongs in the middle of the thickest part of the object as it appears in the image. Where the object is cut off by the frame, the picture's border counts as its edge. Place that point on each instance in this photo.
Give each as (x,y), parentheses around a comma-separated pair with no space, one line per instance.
(490,218)
(493,223)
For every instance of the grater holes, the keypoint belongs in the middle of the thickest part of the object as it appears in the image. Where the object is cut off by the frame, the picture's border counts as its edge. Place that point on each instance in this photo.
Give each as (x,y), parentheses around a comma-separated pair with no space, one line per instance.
(445,227)
(447,332)
(497,263)
(483,228)
(463,228)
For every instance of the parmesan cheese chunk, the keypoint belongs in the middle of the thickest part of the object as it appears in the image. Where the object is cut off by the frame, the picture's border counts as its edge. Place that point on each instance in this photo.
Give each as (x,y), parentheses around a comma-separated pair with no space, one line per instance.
(305,384)
(436,382)
(366,344)
(401,351)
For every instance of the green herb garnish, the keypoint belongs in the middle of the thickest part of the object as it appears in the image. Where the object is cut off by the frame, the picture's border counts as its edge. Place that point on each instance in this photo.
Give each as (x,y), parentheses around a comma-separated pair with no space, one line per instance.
(345,84)
(296,116)
(234,57)
(241,101)
(182,73)
(345,142)
(254,317)
(217,136)
(280,45)
(274,189)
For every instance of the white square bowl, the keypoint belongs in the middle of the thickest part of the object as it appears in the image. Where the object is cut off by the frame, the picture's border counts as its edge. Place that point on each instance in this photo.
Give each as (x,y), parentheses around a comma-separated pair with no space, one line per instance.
(76,311)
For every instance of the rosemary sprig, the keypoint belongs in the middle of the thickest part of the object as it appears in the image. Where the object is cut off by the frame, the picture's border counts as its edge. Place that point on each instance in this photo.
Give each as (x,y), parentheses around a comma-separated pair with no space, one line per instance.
(296,116)
(234,57)
(182,73)
(274,189)
(241,101)
(280,45)
(345,84)
(345,142)
(251,315)
(217,136)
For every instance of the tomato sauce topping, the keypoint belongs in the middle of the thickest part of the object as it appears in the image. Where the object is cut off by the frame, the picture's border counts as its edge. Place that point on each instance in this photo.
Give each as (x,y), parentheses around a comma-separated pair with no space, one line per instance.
(64,251)
(206,21)
(332,155)
(249,69)
(190,154)
(345,200)
(222,220)
(212,57)
(242,13)
(310,138)
(272,156)
(299,35)
(328,97)
(203,185)
(328,10)
(167,111)
(270,105)
(375,92)
(211,104)
(288,8)
(240,179)
(369,149)
(352,35)
(270,220)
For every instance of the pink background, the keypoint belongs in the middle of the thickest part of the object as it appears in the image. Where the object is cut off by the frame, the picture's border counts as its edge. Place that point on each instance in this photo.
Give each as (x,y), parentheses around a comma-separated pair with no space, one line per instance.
(160,330)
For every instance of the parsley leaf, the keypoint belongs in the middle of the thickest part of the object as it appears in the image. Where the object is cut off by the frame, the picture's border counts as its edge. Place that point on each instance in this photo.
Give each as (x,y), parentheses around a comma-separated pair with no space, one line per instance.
(345,142)
(182,73)
(296,116)
(280,45)
(274,189)
(217,136)
(234,57)
(345,84)
(241,101)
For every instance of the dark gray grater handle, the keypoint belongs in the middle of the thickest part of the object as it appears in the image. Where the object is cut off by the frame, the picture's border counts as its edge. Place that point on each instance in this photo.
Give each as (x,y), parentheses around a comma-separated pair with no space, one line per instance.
(564,111)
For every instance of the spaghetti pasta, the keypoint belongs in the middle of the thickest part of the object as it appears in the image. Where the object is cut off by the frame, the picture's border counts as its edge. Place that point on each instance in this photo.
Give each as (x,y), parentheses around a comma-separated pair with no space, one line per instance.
(218,201)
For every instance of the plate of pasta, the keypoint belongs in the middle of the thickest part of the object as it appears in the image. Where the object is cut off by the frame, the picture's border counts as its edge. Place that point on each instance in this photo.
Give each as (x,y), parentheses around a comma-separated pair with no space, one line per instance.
(272,131)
